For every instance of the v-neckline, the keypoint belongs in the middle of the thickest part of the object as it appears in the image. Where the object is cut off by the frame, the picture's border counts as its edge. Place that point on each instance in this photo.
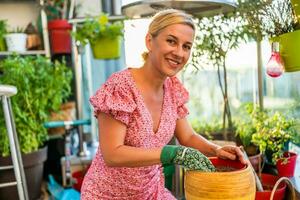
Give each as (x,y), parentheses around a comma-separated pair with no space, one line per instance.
(135,87)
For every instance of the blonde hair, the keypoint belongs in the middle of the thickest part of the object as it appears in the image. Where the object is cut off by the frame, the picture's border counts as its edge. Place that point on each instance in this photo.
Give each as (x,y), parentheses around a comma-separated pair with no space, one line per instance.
(165,18)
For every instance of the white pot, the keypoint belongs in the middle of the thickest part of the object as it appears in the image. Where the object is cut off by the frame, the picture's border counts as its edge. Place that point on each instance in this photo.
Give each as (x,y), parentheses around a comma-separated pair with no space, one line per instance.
(16,42)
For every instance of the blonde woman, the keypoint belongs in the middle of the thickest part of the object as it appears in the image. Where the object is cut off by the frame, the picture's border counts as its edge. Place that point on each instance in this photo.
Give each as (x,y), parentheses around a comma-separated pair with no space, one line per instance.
(139,111)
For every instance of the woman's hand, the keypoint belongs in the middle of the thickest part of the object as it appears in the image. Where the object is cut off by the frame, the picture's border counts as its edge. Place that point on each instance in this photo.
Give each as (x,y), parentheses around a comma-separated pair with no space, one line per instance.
(230,152)
(189,158)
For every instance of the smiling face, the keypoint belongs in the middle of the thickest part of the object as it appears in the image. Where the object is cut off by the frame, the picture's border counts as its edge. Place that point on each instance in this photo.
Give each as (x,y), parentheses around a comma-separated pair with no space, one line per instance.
(170,49)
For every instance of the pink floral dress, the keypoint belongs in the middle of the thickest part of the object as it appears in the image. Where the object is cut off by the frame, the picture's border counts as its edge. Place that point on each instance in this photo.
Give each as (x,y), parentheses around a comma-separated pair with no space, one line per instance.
(120,98)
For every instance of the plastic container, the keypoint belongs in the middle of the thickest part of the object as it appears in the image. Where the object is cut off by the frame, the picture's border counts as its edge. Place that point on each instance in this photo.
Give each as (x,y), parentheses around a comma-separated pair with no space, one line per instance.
(60,38)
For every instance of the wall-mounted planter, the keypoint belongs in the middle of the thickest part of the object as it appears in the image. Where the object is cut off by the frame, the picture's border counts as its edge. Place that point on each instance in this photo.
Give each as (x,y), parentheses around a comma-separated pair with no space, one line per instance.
(60,38)
(106,48)
(289,46)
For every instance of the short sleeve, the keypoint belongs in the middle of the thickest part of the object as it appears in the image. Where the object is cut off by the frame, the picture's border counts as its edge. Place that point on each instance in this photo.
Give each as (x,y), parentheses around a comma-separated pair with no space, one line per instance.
(181,97)
(115,99)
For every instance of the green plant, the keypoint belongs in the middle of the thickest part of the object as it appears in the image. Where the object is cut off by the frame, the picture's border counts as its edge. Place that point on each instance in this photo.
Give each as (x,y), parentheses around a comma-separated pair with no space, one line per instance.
(273,132)
(17,30)
(96,28)
(207,129)
(55,9)
(42,88)
(246,122)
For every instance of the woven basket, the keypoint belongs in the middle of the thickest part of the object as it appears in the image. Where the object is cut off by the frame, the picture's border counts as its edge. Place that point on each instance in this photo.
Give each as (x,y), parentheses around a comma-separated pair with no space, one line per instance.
(238,184)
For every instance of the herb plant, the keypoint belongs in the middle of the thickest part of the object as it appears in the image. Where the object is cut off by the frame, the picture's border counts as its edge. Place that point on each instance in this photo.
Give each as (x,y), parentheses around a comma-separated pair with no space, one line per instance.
(3,31)
(42,87)
(273,132)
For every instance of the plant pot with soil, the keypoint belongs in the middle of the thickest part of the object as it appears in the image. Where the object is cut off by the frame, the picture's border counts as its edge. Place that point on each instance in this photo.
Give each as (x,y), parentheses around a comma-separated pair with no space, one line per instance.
(232,180)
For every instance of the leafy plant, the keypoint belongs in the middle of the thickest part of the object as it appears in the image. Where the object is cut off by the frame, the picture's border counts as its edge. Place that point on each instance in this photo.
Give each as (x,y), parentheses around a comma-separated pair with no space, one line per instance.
(207,129)
(98,27)
(42,88)
(55,9)
(250,115)
(17,30)
(273,132)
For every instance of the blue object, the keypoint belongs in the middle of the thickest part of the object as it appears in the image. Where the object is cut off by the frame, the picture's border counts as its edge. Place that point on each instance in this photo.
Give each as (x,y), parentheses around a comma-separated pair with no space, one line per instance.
(59,193)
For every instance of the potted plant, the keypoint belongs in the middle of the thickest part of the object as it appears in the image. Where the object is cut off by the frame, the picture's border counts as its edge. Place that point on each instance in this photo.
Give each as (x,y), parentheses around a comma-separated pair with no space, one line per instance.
(16,40)
(104,37)
(272,135)
(3,31)
(42,87)
(245,123)
(59,28)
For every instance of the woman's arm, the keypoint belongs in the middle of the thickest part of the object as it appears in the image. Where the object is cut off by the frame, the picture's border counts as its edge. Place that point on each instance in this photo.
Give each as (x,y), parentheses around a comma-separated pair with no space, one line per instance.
(187,137)
(112,135)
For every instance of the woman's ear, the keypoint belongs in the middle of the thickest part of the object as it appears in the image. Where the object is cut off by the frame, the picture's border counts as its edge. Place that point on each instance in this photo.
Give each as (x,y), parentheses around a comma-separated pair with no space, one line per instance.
(148,41)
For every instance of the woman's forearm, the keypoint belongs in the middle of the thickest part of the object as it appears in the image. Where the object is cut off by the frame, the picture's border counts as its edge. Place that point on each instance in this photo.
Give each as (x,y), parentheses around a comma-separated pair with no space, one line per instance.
(205,146)
(127,156)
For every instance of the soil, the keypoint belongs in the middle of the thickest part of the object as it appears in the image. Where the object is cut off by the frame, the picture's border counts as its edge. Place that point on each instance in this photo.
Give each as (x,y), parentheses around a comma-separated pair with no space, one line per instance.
(225,169)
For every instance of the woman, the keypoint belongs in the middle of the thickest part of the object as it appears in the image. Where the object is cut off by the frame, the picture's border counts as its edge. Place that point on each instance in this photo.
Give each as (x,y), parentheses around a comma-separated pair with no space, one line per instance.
(139,110)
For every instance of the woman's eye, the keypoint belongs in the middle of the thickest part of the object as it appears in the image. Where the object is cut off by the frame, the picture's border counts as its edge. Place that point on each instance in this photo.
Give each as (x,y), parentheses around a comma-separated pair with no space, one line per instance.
(170,41)
(187,47)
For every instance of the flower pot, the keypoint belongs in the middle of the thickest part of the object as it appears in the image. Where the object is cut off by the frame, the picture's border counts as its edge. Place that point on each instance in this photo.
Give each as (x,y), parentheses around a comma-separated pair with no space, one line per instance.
(256,161)
(289,50)
(60,38)
(33,164)
(106,48)
(2,44)
(268,182)
(16,42)
(286,166)
(237,184)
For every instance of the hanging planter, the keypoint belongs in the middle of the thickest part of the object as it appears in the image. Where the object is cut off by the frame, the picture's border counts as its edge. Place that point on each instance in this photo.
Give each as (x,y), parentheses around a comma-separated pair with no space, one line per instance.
(106,48)
(289,50)
(103,36)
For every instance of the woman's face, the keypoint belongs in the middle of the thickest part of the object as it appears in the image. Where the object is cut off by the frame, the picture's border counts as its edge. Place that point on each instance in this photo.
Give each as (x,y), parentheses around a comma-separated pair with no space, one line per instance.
(170,50)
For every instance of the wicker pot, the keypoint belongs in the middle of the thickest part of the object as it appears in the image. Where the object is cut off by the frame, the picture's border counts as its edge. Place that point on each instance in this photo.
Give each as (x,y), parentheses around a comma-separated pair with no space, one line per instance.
(237,184)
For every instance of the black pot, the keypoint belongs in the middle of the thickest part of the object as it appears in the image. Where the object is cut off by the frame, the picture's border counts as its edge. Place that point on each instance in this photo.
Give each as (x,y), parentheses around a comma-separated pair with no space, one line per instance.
(33,166)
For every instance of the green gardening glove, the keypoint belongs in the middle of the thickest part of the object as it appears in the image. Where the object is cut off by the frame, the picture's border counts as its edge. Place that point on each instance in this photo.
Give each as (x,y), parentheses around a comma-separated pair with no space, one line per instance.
(189,158)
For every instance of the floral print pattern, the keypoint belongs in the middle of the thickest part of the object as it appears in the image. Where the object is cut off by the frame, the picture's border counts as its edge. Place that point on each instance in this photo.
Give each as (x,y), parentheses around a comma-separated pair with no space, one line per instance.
(120,98)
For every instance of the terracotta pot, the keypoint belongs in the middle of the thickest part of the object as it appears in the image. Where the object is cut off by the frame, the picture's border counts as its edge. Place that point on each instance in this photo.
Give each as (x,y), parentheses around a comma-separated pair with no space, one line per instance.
(237,184)
(286,166)
(268,182)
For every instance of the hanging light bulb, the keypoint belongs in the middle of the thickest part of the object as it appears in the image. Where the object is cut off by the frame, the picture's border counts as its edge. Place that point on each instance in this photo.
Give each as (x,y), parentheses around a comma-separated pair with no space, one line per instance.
(275,66)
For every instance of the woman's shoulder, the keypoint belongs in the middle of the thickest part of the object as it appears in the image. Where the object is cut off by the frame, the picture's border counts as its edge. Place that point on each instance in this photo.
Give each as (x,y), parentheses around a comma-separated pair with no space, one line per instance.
(177,89)
(120,77)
